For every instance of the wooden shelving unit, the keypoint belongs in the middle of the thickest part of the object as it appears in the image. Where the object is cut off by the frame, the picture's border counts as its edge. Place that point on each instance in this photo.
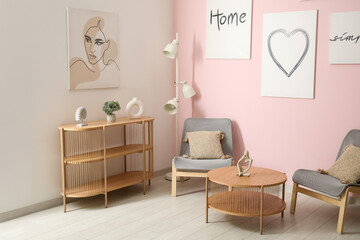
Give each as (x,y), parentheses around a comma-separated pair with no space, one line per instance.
(84,156)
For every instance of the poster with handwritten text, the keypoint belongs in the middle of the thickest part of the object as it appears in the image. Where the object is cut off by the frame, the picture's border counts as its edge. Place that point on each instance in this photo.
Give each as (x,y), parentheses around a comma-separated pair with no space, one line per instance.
(228,29)
(344,38)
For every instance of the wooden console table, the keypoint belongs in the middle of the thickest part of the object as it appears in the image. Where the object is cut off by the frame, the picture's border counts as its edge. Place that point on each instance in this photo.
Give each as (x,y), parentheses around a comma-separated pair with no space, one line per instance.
(85,151)
(251,196)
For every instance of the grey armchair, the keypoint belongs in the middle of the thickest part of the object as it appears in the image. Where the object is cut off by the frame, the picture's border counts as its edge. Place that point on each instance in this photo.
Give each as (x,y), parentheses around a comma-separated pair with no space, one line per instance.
(327,188)
(184,167)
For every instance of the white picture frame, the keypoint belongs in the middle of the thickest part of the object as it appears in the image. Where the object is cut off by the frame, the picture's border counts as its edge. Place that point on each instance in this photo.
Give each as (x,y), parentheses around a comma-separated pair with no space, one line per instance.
(228,29)
(344,40)
(288,60)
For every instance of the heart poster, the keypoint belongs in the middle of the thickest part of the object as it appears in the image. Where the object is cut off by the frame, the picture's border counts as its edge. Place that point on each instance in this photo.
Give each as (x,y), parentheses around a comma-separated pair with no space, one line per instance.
(288,60)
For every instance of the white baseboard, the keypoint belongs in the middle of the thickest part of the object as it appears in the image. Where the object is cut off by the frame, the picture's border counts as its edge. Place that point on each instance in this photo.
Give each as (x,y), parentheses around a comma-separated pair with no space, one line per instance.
(6,216)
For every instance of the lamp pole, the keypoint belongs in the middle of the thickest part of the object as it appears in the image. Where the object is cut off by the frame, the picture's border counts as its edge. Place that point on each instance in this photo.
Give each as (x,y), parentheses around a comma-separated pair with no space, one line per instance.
(177,99)
(171,107)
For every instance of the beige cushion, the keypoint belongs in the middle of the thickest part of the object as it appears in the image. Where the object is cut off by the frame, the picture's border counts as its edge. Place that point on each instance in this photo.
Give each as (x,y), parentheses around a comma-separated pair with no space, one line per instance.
(222,136)
(347,167)
(205,144)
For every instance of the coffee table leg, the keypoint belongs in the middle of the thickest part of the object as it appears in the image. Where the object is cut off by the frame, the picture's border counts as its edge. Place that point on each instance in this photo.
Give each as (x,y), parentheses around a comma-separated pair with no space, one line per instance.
(283,198)
(207,196)
(261,209)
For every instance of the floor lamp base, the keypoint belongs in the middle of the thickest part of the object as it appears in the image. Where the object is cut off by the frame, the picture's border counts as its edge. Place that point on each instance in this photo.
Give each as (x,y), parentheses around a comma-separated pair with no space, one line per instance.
(168,176)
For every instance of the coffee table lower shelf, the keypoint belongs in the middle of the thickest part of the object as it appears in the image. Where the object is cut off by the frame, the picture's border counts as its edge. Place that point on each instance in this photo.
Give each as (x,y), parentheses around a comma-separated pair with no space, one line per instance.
(246,203)
(256,195)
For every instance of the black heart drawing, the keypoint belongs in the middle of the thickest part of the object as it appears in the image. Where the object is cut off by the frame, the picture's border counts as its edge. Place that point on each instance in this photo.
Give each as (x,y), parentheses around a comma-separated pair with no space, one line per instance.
(287,34)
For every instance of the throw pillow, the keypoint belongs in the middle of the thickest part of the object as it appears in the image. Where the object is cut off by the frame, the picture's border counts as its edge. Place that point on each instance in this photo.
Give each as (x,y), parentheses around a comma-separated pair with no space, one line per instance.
(186,139)
(205,144)
(347,167)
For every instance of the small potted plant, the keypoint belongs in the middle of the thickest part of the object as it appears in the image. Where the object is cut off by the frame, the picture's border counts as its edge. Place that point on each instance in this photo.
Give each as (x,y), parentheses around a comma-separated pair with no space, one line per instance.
(110,107)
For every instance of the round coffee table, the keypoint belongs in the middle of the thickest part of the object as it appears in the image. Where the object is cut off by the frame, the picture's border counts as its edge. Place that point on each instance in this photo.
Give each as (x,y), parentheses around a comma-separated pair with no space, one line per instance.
(251,196)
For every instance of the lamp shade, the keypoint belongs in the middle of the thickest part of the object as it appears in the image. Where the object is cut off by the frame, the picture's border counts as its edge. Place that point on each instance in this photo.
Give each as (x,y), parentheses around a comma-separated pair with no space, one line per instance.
(171,49)
(188,91)
(171,107)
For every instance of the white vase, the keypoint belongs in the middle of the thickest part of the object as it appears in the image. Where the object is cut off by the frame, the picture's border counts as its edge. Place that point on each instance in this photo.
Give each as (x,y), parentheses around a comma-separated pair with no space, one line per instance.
(111,118)
(135,103)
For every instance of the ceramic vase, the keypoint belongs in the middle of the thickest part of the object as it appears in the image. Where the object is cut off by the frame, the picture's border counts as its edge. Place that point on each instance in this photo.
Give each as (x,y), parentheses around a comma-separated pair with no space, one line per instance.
(135,103)
(111,117)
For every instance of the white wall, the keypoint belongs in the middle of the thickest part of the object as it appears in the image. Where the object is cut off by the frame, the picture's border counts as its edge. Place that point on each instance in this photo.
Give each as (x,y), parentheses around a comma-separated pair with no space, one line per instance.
(34,95)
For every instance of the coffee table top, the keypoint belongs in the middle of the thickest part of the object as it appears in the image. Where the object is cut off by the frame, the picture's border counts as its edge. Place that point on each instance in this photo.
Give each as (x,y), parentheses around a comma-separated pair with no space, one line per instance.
(259,177)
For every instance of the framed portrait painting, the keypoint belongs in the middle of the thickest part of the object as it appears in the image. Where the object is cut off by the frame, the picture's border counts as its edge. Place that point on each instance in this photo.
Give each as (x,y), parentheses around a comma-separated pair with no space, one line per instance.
(92,49)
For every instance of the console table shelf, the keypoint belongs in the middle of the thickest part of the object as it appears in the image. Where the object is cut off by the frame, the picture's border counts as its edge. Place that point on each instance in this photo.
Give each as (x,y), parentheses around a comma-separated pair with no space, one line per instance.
(113,183)
(110,153)
(85,152)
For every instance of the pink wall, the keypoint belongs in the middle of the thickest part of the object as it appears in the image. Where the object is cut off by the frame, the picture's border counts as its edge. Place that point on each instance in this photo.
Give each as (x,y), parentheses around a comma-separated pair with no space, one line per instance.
(280,133)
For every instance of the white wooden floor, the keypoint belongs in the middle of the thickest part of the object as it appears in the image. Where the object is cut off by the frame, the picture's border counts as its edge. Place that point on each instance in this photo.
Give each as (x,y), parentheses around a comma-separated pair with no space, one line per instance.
(157,215)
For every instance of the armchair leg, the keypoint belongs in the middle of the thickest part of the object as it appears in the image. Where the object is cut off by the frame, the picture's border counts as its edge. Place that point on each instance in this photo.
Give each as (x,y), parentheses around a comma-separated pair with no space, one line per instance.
(173,181)
(342,211)
(293,198)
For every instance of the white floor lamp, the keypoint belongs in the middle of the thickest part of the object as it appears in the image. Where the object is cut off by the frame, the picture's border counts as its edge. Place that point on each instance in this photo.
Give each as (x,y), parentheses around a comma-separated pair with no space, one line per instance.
(171,107)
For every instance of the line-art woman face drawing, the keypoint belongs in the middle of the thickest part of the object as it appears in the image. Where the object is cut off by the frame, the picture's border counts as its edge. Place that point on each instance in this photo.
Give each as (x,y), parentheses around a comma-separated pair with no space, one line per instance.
(101,52)
(95,44)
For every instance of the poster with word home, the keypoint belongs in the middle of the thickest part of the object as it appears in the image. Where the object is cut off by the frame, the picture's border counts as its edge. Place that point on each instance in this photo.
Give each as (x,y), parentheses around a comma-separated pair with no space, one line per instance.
(228,29)
(344,41)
